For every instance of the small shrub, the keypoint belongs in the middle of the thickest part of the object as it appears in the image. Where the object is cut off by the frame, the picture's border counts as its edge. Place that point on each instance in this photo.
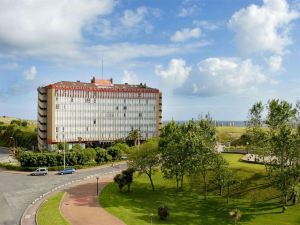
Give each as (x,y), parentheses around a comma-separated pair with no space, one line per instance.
(163,212)
(235,215)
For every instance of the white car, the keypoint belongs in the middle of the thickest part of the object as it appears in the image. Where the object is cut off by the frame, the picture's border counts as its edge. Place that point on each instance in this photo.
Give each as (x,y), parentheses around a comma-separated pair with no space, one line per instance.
(40,172)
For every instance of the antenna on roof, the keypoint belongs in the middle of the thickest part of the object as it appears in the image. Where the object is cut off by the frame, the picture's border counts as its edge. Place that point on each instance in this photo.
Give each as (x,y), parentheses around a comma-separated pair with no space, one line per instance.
(102,67)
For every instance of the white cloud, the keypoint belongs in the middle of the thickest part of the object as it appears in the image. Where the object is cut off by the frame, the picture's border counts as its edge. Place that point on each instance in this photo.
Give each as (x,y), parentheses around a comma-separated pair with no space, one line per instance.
(275,63)
(263,28)
(132,18)
(129,77)
(31,73)
(186,34)
(206,24)
(217,76)
(176,74)
(189,8)
(54,23)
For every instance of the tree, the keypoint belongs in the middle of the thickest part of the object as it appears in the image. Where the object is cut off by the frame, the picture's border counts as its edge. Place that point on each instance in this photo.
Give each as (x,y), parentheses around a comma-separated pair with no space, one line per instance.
(125,178)
(220,168)
(146,159)
(230,180)
(279,144)
(201,139)
(175,157)
(135,136)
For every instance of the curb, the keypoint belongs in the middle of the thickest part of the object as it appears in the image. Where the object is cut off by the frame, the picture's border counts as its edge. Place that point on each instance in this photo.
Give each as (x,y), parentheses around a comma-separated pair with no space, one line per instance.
(30,213)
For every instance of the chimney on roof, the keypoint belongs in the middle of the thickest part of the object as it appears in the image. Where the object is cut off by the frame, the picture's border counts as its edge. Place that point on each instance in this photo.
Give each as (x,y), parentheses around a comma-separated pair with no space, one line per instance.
(93,80)
(111,80)
(78,81)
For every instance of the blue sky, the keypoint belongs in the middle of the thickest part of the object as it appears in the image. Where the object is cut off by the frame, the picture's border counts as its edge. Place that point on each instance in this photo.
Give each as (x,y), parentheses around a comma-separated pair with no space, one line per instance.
(216,56)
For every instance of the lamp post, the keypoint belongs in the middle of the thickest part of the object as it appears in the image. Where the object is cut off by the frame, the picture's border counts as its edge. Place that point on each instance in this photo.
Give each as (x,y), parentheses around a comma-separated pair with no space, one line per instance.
(247,144)
(64,154)
(97,186)
(151,217)
(14,146)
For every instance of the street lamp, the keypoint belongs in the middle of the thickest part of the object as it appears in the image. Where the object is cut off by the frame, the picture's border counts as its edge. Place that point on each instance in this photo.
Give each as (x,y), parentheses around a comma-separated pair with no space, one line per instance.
(247,143)
(14,146)
(97,185)
(64,154)
(151,217)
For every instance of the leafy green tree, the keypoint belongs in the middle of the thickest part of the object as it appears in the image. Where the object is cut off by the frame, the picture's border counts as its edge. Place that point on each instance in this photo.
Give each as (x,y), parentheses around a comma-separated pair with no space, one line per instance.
(146,159)
(230,180)
(175,157)
(200,141)
(125,178)
(220,169)
(279,143)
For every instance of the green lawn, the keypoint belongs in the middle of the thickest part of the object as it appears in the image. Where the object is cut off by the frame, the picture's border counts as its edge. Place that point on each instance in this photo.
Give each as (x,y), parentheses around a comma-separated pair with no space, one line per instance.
(49,212)
(258,202)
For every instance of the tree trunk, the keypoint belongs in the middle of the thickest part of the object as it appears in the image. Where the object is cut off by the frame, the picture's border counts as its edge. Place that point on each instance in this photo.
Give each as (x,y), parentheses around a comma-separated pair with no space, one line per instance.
(205,187)
(151,181)
(228,194)
(181,185)
(177,181)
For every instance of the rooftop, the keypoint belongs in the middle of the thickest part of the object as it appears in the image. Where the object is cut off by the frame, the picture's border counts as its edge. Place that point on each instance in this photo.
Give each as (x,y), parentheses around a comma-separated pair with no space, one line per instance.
(99,84)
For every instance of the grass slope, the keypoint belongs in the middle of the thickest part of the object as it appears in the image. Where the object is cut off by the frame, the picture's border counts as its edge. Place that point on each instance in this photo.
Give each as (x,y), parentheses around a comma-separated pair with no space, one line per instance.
(49,212)
(227,134)
(258,202)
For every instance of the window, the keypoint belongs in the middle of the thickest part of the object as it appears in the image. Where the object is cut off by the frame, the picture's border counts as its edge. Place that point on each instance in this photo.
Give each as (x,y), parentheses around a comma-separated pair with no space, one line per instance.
(94,121)
(125,107)
(57,106)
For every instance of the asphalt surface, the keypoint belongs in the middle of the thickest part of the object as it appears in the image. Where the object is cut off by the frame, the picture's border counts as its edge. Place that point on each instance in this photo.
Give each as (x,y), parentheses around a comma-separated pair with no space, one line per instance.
(4,153)
(18,190)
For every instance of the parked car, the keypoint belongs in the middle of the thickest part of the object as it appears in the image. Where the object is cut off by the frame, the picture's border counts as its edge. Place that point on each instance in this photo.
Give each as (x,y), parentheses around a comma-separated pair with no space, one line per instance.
(124,157)
(40,172)
(66,171)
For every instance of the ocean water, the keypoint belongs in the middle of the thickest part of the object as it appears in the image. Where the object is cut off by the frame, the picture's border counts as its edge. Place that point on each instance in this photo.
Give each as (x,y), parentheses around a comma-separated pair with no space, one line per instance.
(222,123)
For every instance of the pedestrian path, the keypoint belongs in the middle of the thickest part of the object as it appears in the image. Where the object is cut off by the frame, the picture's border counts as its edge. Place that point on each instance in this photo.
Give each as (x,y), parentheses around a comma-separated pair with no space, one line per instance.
(80,205)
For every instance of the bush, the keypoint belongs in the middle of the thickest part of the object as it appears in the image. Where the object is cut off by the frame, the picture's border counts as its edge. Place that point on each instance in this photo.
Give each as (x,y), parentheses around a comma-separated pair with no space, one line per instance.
(163,212)
(102,156)
(114,152)
(24,123)
(82,157)
(90,153)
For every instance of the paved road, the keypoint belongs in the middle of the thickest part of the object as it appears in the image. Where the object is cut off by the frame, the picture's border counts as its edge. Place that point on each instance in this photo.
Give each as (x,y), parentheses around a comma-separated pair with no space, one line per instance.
(4,153)
(18,190)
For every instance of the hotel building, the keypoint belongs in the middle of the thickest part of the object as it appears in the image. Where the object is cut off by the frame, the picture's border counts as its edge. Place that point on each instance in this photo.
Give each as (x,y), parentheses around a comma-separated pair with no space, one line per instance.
(97,113)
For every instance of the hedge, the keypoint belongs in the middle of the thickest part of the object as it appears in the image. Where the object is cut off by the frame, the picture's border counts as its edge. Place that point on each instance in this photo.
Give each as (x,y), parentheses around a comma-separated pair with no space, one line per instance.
(75,157)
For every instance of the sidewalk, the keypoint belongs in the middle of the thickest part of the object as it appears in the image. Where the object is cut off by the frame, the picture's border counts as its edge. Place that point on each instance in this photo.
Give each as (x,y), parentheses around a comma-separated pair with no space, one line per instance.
(80,205)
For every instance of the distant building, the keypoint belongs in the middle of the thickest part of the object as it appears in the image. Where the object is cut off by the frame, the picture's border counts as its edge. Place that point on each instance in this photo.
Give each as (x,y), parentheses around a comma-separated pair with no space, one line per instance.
(97,113)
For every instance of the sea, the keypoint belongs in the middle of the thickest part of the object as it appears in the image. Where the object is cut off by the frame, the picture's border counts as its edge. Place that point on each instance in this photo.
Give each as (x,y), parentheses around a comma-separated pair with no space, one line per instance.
(220,123)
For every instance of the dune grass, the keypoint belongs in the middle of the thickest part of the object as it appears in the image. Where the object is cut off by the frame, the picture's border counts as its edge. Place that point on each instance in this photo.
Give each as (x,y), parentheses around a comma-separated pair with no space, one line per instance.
(258,202)
(49,212)
(228,134)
